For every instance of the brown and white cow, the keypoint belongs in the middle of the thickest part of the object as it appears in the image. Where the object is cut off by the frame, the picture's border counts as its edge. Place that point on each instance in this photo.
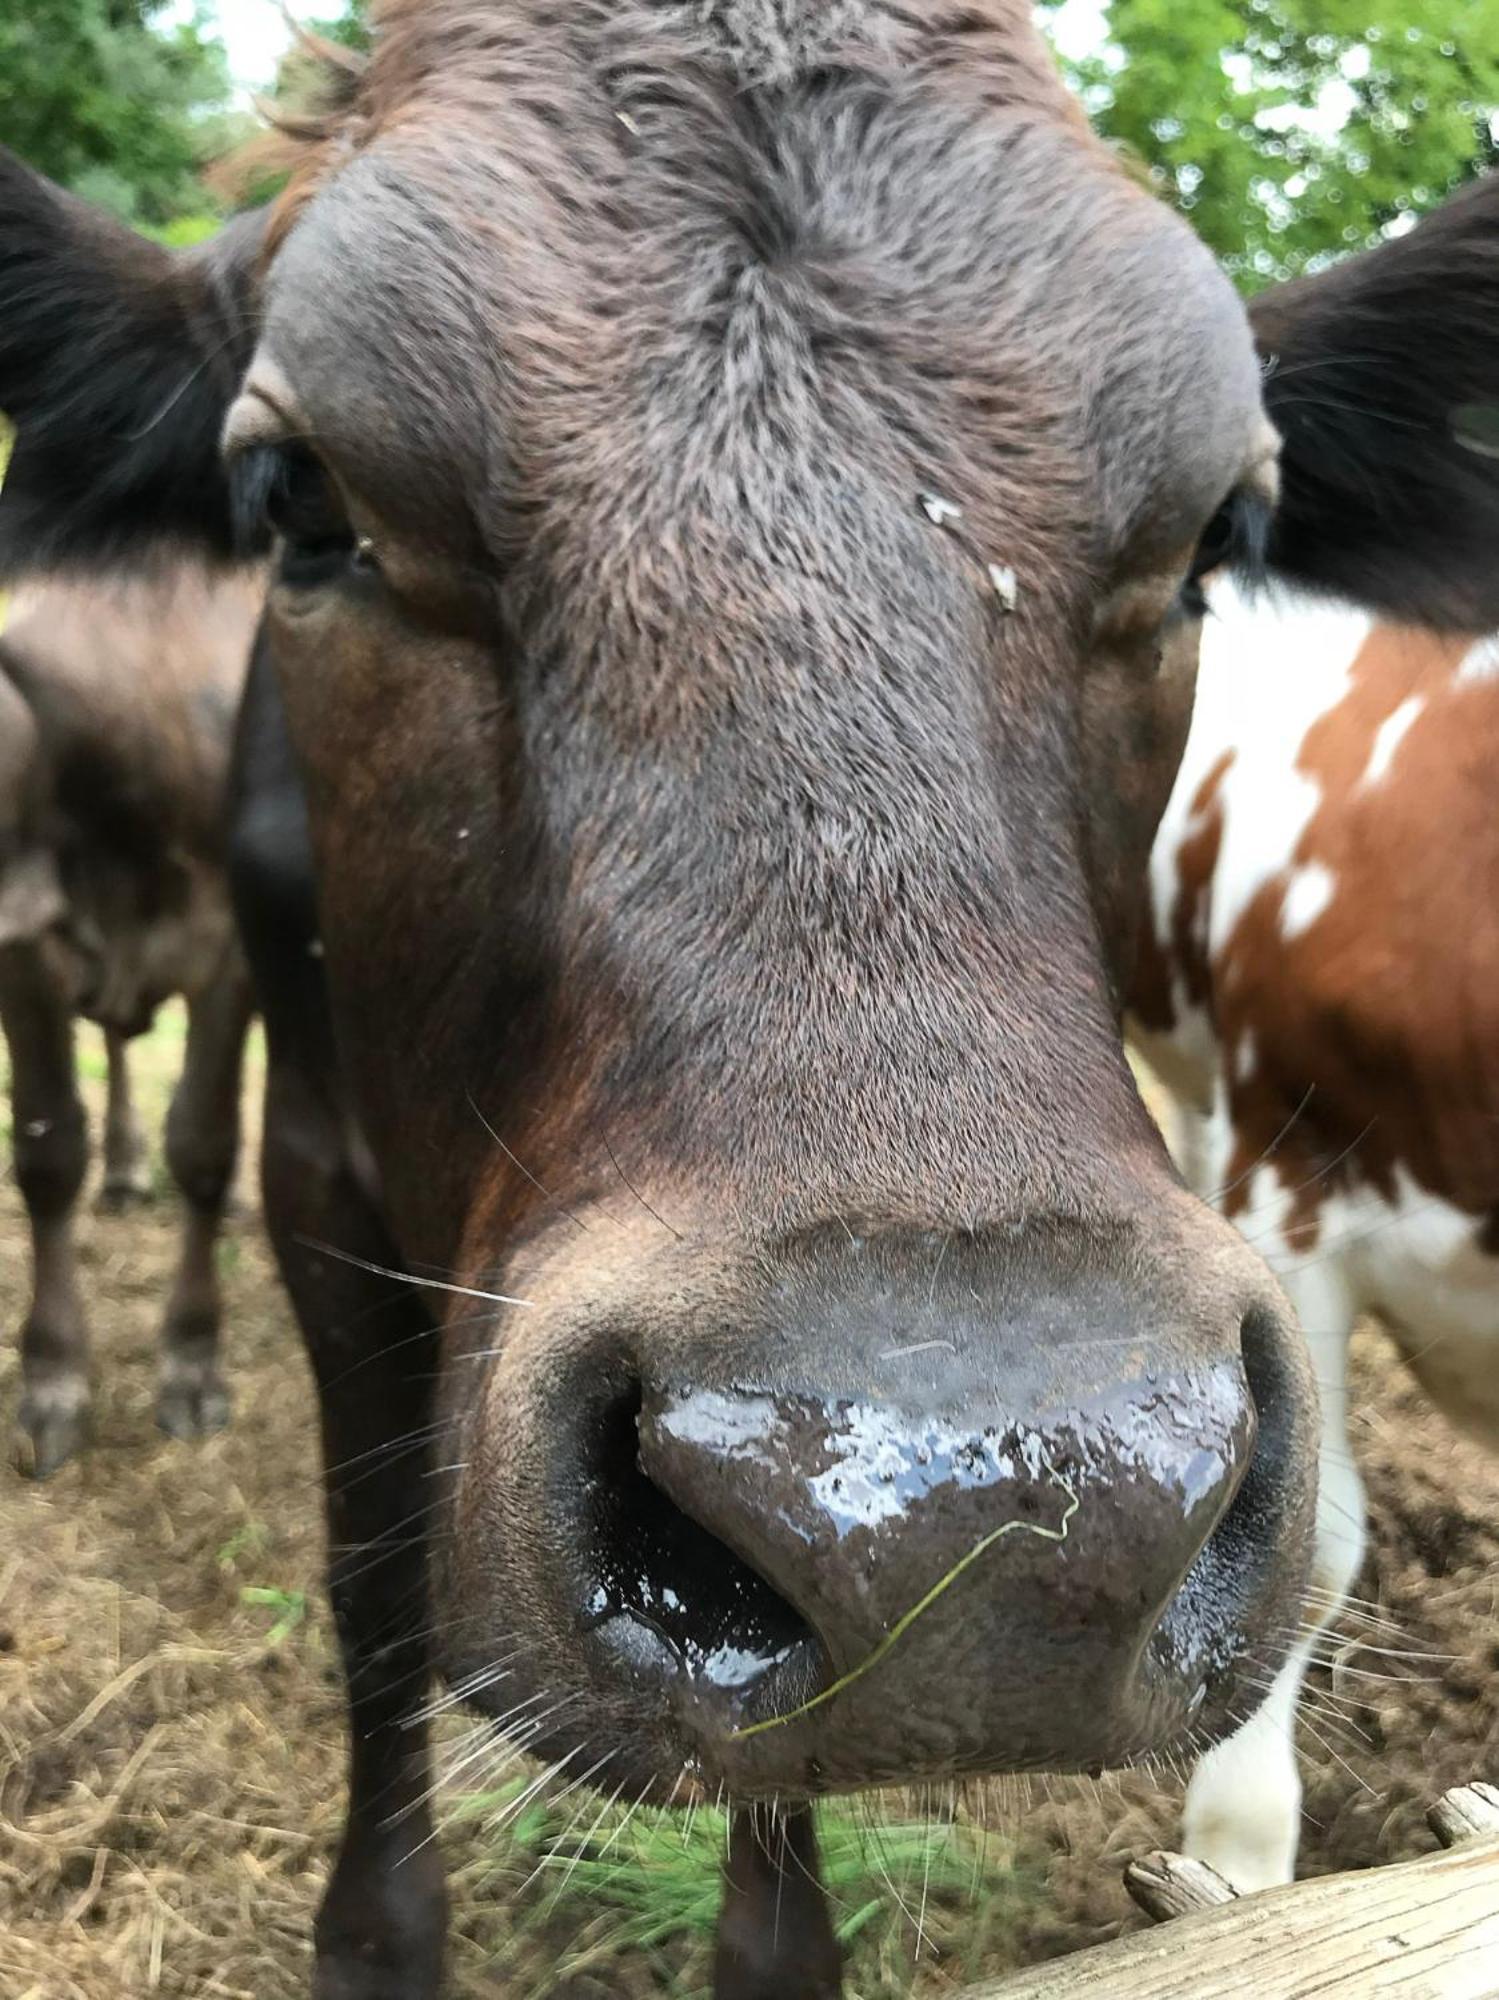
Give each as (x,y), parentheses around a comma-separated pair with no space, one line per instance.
(738,471)
(117,707)
(1318,980)
(1321,995)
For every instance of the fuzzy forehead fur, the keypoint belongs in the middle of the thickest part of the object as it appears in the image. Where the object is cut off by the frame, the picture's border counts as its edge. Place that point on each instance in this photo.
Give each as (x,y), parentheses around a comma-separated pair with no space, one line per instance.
(856,234)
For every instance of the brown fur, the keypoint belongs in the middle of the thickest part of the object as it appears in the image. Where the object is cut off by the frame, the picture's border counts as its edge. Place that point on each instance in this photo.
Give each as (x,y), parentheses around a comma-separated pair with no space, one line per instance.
(1371,1004)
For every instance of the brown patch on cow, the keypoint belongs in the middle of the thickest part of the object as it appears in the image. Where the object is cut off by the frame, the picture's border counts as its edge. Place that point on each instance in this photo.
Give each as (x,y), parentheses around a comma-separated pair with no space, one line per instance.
(1376,1026)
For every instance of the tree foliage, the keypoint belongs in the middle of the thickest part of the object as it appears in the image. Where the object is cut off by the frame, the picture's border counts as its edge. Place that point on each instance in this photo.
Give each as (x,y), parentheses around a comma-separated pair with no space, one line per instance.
(112,102)
(1294,130)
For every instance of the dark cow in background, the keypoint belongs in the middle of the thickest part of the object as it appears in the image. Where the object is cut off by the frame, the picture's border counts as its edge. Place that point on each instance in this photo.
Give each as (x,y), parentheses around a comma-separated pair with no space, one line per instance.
(117,707)
(124,1149)
(739,473)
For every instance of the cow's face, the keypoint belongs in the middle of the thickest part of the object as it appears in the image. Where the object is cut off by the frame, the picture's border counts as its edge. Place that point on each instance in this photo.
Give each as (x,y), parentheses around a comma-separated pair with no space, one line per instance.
(735,518)
(734,627)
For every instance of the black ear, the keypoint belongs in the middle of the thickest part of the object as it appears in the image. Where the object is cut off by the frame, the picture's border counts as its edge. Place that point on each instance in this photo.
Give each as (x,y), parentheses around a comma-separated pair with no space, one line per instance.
(118,362)
(1382,375)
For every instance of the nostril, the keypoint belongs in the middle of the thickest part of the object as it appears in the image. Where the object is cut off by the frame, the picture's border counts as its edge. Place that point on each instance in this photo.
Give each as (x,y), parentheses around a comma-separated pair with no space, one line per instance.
(1268,1373)
(655,1571)
(1255,1514)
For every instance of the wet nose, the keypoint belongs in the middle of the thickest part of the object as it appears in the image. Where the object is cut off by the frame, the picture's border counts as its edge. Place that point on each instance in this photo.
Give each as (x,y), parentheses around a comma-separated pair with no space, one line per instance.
(993,1560)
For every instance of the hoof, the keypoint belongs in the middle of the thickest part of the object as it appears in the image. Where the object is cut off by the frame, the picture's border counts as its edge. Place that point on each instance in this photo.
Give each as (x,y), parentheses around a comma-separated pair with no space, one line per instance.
(189,1410)
(48,1438)
(119,1197)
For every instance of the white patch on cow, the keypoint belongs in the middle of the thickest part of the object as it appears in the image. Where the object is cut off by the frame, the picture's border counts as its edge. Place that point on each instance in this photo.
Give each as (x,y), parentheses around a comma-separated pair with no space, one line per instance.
(1426,1273)
(1243,1807)
(1481,663)
(1244,1056)
(1389,736)
(1308,894)
(1270,667)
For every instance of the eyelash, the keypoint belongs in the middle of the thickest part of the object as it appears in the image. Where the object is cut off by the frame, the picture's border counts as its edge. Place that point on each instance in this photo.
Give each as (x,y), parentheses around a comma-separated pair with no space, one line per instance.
(284,491)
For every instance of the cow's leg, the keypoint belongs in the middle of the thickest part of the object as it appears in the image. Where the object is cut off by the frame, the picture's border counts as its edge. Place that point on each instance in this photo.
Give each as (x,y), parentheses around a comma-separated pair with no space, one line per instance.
(381,1929)
(202,1147)
(1243,1811)
(50,1137)
(775,1936)
(127,1172)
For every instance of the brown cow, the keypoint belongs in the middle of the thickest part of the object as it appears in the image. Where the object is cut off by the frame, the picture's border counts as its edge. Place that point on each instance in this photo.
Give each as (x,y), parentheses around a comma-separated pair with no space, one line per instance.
(737,469)
(117,704)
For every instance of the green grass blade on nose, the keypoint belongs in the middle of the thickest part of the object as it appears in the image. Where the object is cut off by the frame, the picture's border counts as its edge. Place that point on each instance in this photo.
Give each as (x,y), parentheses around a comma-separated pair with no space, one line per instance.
(923,1604)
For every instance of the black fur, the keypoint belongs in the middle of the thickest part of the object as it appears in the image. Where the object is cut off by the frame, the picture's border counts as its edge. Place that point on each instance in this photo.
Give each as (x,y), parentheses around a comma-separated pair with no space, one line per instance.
(1372,372)
(118,361)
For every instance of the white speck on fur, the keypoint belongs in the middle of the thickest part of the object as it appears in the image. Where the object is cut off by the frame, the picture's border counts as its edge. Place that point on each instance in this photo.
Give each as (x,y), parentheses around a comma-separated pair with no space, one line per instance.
(1006,585)
(939,511)
(1308,894)
(1389,736)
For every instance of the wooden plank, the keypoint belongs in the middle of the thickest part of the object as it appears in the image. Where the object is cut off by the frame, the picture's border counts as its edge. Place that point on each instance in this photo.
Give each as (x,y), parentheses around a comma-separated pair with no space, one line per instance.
(1417,1930)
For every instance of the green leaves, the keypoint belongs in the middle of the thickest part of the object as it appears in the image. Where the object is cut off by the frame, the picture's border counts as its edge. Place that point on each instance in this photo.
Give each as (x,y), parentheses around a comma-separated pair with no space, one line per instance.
(114,105)
(1292,131)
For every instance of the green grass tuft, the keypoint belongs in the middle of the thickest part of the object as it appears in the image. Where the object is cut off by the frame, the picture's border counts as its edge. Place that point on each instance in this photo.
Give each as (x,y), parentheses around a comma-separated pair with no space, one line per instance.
(646,1885)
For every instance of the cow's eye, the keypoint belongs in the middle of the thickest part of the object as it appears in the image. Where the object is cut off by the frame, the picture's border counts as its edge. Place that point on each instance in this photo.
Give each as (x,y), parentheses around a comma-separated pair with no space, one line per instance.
(304,508)
(299,502)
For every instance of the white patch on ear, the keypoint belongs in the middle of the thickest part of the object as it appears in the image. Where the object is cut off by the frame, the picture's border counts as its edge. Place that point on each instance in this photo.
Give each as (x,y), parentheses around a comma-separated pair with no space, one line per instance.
(1307,895)
(1389,736)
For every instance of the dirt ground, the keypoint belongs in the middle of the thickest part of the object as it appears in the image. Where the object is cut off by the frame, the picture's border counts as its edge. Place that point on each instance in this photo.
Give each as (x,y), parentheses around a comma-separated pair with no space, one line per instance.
(171,1736)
